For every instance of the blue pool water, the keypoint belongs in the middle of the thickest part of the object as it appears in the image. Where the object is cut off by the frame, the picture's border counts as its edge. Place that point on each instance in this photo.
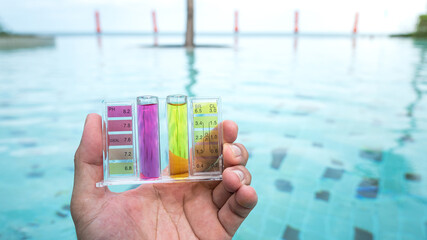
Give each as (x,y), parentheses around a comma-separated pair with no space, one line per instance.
(336,127)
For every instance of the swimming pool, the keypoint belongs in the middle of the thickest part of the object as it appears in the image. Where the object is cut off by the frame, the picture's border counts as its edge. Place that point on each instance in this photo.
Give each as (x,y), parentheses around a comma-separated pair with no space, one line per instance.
(336,127)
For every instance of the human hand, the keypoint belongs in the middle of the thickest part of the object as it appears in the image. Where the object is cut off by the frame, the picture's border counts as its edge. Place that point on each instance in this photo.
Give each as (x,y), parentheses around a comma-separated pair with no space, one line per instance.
(206,210)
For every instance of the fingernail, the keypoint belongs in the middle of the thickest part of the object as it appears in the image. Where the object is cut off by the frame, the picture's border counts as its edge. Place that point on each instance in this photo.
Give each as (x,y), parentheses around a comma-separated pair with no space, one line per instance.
(239,174)
(236,150)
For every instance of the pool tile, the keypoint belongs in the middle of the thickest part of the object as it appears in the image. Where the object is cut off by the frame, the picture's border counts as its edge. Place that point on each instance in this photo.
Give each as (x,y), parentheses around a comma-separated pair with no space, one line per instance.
(61,214)
(283,185)
(371,154)
(368,188)
(322,195)
(333,173)
(361,234)
(291,233)
(413,177)
(407,138)
(278,155)
(35,174)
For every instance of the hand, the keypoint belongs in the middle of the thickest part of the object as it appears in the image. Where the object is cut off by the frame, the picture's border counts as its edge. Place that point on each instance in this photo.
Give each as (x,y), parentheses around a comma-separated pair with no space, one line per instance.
(206,210)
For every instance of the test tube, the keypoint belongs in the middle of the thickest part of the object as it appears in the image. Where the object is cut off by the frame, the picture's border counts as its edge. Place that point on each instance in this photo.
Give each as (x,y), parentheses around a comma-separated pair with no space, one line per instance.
(148,136)
(177,135)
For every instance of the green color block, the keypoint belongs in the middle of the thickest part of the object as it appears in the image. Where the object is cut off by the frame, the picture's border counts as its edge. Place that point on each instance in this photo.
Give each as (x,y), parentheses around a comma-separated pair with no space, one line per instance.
(205,122)
(121,168)
(205,108)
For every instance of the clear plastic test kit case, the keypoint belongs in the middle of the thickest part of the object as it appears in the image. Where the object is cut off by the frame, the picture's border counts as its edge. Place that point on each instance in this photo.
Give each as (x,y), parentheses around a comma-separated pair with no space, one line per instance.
(155,140)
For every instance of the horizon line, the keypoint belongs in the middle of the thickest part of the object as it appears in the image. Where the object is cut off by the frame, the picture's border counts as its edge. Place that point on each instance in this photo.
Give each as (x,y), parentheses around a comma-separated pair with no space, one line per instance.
(135,33)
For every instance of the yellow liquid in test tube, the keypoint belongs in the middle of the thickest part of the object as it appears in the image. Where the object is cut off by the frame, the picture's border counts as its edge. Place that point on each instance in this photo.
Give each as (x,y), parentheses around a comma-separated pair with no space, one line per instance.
(178,138)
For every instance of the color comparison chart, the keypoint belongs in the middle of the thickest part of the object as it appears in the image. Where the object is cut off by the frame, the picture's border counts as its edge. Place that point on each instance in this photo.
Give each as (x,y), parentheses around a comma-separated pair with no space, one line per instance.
(184,131)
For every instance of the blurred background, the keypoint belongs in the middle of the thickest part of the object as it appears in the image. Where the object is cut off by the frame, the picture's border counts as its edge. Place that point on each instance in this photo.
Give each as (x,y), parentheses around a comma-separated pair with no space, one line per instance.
(330,98)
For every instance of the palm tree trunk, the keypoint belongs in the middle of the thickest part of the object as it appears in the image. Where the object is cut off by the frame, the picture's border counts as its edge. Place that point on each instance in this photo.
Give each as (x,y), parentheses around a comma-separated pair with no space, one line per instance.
(189,35)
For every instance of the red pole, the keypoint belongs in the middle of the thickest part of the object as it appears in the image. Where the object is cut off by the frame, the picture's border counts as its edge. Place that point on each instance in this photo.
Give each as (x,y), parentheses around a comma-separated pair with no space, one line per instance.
(356,21)
(98,22)
(296,29)
(236,21)
(154,21)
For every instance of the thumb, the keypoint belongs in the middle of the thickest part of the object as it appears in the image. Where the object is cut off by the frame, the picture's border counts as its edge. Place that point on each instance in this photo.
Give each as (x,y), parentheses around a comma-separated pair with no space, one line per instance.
(88,159)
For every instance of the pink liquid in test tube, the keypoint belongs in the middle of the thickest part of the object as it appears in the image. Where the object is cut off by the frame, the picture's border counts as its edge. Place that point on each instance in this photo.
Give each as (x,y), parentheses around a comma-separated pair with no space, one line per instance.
(148,136)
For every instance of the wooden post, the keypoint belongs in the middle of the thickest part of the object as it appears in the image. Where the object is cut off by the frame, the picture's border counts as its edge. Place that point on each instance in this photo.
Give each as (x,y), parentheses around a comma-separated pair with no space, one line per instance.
(296,29)
(356,21)
(189,35)
(153,13)
(236,21)
(98,22)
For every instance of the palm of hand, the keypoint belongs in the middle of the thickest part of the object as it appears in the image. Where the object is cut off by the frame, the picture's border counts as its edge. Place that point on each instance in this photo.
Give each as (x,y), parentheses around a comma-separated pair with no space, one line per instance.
(211,210)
